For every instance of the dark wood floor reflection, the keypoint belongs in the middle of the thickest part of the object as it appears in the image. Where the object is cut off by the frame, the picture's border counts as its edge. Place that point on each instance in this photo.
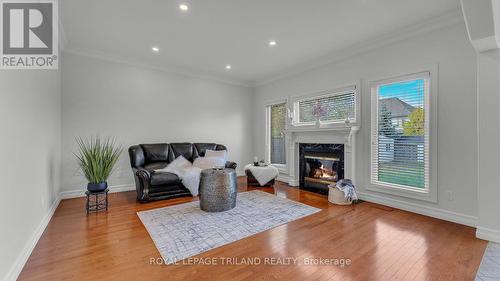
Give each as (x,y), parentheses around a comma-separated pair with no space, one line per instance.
(381,243)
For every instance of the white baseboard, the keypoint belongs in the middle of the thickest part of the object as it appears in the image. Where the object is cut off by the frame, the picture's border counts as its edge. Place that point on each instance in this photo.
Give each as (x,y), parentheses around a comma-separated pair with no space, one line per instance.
(420,209)
(283,178)
(22,258)
(75,193)
(489,234)
(293,182)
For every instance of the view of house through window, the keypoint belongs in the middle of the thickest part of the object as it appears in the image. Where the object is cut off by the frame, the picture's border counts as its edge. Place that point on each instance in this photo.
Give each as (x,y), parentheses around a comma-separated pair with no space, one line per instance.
(278,121)
(400,137)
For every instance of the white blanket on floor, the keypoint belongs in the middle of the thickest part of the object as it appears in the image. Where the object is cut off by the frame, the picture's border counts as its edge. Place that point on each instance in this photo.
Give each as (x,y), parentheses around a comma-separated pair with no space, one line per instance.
(263,174)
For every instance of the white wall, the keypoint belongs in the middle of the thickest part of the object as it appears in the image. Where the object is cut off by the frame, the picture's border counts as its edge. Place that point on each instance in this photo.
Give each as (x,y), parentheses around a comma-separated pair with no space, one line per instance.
(450,49)
(138,105)
(489,138)
(488,96)
(30,118)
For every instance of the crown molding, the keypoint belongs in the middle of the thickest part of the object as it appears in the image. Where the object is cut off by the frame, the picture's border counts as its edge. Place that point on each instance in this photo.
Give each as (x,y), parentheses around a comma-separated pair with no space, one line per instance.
(447,19)
(135,62)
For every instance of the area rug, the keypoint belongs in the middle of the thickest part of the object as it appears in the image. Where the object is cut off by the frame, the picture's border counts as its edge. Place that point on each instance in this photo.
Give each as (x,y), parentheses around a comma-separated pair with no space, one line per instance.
(184,230)
(489,270)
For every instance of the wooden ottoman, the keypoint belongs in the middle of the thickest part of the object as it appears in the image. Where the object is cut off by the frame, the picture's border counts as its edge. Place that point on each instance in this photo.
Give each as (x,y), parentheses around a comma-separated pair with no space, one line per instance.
(252,181)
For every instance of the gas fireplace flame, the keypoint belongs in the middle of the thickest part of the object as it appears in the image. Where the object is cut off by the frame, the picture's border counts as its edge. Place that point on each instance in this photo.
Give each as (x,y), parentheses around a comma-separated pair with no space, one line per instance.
(325,174)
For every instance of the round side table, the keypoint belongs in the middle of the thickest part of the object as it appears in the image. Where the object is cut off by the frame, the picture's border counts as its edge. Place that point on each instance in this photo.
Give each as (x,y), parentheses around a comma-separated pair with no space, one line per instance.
(218,190)
(98,203)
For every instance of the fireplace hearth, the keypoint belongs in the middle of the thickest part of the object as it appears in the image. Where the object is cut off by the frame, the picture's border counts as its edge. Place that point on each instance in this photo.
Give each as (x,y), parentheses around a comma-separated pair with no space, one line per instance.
(320,165)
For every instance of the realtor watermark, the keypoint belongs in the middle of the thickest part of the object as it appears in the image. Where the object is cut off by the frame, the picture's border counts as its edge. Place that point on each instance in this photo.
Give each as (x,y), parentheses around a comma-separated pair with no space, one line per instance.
(254,261)
(29,34)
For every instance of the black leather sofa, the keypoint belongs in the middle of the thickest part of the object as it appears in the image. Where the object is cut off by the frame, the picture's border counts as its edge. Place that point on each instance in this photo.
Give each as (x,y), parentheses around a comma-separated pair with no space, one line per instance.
(145,158)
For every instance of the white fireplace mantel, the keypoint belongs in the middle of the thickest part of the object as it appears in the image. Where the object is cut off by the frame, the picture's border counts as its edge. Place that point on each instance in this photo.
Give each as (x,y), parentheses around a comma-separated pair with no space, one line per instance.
(345,135)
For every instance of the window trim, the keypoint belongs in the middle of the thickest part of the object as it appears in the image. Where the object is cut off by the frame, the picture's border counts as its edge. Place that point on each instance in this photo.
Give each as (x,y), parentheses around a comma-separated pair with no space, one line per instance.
(336,91)
(431,105)
(283,168)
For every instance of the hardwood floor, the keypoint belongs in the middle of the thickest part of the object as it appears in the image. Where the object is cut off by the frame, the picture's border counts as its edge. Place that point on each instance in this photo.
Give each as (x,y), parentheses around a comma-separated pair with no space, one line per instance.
(381,243)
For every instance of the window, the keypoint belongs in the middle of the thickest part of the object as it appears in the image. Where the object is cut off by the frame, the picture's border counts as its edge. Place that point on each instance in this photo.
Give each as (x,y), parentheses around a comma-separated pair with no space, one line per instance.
(277,114)
(339,106)
(400,133)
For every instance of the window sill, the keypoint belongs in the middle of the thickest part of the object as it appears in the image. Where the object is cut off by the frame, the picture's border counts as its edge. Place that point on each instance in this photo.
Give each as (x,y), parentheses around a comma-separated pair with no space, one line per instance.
(307,128)
(424,195)
(326,124)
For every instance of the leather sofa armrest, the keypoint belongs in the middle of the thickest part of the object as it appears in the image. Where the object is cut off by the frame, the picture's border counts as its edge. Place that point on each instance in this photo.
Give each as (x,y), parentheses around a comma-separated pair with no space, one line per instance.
(143,174)
(142,180)
(231,165)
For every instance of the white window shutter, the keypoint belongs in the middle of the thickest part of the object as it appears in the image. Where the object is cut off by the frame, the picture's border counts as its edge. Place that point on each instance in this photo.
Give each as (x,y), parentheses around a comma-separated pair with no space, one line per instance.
(341,105)
(278,115)
(400,132)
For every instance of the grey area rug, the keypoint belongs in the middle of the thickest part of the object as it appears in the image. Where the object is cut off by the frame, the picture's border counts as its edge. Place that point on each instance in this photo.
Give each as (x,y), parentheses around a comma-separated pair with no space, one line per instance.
(184,230)
(489,270)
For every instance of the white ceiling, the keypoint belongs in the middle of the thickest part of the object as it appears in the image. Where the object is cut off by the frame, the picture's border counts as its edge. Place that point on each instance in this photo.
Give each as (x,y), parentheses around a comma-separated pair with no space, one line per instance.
(214,33)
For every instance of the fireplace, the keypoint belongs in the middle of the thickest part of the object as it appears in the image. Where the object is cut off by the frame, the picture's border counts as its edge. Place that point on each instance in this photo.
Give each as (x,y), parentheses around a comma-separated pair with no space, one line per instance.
(320,165)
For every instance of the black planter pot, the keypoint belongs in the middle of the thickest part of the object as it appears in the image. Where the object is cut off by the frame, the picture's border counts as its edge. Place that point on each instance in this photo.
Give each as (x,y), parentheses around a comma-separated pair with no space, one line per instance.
(97,187)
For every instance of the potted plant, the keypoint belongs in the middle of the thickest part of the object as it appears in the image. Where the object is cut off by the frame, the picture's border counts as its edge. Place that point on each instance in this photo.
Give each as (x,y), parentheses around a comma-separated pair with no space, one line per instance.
(96,158)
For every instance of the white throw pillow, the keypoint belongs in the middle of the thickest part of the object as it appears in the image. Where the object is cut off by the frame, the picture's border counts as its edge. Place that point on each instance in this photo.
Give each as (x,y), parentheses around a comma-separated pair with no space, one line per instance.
(209,162)
(177,166)
(216,153)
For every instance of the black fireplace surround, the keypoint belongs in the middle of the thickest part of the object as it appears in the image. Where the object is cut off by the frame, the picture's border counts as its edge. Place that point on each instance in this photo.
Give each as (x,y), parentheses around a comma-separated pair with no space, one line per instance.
(320,165)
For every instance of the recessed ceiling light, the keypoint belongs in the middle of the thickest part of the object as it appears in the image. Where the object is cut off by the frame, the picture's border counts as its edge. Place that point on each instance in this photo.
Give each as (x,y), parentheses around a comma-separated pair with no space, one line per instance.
(183,7)
(228,66)
(155,49)
(272,43)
